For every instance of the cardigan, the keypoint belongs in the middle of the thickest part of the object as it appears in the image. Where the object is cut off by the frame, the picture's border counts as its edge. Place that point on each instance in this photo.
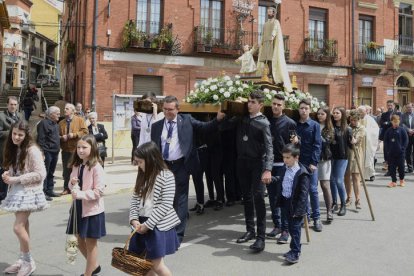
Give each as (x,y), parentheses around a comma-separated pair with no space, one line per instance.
(34,172)
(77,127)
(163,215)
(92,189)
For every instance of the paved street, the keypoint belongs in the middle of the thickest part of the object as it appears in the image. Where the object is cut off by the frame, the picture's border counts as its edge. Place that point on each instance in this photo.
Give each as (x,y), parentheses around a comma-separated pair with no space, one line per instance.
(352,245)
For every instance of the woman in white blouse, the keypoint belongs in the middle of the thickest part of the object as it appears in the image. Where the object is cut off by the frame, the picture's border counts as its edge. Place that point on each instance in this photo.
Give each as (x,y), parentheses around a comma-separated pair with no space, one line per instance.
(148,119)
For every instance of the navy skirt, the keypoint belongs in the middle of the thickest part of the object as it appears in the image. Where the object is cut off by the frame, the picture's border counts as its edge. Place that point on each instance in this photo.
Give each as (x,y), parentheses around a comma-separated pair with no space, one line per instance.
(88,227)
(155,243)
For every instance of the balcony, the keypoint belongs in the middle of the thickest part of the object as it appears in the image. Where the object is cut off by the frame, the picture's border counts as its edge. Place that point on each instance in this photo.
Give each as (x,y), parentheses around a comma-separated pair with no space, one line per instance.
(148,35)
(50,60)
(405,45)
(321,50)
(227,42)
(370,53)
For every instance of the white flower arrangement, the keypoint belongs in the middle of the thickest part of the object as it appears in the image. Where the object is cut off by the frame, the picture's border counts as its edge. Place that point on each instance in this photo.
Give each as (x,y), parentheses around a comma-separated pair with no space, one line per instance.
(293,99)
(216,90)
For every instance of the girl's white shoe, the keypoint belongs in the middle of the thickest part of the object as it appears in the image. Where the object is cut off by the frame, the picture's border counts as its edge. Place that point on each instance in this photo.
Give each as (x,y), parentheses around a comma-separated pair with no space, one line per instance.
(14,268)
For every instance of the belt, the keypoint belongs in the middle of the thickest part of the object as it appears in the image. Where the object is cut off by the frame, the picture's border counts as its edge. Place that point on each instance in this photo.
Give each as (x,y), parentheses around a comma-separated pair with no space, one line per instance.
(174,162)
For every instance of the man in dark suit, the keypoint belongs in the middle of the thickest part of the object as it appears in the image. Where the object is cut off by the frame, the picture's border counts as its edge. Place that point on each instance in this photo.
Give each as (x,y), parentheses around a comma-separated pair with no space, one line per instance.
(99,132)
(385,121)
(175,139)
(407,122)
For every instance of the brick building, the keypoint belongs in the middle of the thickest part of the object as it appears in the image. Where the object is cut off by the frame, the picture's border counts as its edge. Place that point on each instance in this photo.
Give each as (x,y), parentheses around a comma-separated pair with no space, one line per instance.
(168,46)
(4,24)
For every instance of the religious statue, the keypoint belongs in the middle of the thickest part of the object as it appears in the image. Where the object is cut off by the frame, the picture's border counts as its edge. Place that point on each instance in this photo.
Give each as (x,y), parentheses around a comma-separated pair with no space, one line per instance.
(272,53)
(248,65)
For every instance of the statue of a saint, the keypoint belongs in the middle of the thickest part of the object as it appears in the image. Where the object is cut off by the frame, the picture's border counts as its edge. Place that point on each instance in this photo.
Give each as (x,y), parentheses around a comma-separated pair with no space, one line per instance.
(248,66)
(272,52)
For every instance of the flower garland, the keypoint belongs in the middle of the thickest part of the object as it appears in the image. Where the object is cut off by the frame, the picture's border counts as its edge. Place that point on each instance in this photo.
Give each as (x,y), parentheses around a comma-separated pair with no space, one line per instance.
(217,90)
(293,99)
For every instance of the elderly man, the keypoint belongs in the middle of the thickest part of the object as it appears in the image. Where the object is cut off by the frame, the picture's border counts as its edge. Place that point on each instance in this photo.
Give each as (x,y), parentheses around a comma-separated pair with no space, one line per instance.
(407,123)
(370,144)
(7,118)
(49,141)
(70,130)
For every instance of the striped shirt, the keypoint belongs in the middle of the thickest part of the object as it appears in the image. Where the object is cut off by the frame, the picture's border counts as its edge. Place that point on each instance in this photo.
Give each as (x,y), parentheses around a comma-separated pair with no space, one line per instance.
(287,183)
(163,215)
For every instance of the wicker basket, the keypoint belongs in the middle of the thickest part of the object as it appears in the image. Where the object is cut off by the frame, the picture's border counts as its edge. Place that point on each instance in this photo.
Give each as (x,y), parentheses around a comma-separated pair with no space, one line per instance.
(130,262)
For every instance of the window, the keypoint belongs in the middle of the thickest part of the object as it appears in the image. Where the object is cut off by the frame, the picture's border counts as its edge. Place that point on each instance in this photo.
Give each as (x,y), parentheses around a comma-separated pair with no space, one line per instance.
(319,91)
(145,84)
(317,27)
(366,26)
(149,16)
(211,17)
(405,28)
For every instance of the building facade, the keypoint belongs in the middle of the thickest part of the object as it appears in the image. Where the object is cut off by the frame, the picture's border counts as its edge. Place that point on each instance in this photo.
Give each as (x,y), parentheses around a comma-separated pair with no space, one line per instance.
(342,55)
(4,24)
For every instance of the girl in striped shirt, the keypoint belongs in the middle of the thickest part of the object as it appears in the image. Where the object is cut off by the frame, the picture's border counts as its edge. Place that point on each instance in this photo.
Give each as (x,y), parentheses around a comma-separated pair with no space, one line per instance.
(151,211)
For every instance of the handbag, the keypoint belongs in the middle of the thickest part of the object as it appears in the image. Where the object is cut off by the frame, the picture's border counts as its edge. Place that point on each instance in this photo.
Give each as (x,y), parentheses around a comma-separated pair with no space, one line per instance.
(130,262)
(71,247)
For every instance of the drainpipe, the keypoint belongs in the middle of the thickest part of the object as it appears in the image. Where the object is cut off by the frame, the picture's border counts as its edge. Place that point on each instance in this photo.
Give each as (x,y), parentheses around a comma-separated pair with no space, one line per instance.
(93,81)
(353,69)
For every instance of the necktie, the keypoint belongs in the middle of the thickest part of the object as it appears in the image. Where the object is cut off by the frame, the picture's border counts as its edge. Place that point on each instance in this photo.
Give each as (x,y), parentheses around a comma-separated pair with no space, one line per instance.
(166,152)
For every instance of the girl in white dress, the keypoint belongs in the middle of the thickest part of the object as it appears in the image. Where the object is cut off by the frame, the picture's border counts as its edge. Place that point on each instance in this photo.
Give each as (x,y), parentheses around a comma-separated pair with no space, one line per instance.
(25,175)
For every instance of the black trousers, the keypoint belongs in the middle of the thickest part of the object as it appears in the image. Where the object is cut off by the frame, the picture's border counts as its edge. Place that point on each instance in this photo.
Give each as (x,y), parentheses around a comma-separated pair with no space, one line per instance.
(198,176)
(409,152)
(229,167)
(393,164)
(215,158)
(182,178)
(250,172)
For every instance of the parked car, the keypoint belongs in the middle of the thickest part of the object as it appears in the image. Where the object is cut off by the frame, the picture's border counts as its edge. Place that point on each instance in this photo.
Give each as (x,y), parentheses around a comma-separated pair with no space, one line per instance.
(46,80)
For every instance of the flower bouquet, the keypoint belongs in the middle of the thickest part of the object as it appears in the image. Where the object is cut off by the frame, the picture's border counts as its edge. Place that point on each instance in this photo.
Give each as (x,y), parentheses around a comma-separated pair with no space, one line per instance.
(232,93)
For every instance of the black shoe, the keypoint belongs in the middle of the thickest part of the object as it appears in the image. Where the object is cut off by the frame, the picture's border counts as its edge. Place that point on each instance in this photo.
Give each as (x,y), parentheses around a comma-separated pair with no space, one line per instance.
(219,206)
(194,208)
(48,198)
(210,203)
(317,225)
(258,245)
(342,211)
(246,237)
(230,203)
(275,231)
(200,209)
(292,259)
(53,194)
(372,178)
(97,270)
(329,218)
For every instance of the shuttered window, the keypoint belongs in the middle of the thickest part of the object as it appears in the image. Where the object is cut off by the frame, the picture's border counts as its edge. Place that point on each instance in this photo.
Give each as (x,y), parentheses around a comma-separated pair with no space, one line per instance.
(319,91)
(144,84)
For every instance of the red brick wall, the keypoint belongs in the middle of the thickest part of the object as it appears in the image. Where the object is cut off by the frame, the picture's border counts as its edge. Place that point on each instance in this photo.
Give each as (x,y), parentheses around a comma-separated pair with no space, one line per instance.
(185,15)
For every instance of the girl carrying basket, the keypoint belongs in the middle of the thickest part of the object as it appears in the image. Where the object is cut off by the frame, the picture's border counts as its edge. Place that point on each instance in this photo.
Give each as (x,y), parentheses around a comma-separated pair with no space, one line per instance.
(151,212)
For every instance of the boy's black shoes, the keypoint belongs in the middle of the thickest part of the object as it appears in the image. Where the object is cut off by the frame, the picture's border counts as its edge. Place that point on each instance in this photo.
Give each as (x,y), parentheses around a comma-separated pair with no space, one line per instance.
(275,231)
(258,246)
(210,203)
(246,237)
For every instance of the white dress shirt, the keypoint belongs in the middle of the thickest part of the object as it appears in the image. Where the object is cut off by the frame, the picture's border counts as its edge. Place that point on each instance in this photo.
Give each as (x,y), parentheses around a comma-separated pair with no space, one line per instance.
(175,149)
(146,123)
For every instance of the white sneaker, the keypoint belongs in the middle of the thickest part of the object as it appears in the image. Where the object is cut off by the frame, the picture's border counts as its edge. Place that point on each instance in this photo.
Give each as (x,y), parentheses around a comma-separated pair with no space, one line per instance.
(27,268)
(14,268)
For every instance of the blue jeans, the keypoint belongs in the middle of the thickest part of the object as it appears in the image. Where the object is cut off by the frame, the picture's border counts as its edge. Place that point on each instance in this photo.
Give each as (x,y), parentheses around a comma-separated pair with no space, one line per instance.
(337,179)
(314,196)
(278,218)
(51,159)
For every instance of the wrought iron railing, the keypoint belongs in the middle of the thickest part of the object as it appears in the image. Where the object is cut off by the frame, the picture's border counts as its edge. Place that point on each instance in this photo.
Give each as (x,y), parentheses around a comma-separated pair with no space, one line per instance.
(151,35)
(321,50)
(370,53)
(405,45)
(228,41)
(50,60)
